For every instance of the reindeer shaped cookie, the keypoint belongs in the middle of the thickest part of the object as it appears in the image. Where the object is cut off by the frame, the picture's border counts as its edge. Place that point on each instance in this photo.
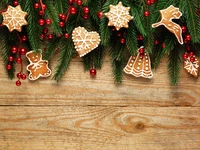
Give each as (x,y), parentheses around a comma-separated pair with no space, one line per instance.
(37,67)
(166,19)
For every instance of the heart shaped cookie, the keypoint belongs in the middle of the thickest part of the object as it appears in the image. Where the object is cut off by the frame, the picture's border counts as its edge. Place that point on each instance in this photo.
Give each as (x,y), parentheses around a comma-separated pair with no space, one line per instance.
(85,41)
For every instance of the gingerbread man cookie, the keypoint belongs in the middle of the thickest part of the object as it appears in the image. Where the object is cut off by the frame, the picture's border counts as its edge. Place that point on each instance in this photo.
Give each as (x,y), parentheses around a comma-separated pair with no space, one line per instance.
(37,67)
(166,19)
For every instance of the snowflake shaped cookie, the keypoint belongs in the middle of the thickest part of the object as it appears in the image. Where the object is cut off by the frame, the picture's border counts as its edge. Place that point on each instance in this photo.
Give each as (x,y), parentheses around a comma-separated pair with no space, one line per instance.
(14,18)
(118,16)
(192,67)
(85,41)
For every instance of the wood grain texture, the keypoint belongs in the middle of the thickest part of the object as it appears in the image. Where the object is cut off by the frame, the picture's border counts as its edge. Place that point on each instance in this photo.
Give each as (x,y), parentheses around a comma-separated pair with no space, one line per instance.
(97,128)
(78,88)
(82,113)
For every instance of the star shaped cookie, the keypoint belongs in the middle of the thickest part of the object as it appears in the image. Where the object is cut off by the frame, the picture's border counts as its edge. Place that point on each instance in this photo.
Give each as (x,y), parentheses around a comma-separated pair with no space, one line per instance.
(118,16)
(14,18)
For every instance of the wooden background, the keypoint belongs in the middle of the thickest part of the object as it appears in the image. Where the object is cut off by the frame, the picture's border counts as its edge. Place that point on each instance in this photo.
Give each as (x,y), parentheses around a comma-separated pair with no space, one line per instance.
(82,113)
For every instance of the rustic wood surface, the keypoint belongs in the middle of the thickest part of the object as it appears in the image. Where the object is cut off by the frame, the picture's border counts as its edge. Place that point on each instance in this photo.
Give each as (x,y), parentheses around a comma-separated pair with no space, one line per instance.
(82,113)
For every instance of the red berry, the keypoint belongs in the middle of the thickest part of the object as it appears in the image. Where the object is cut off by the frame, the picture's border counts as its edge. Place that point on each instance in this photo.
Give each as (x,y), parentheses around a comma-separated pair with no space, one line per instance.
(45,30)
(70,2)
(163,45)
(149,2)
(19,75)
(119,34)
(192,59)
(86,10)
(8,67)
(66,35)
(152,1)
(146,13)
(63,17)
(60,16)
(10,58)
(85,16)
(44,6)
(188,48)
(185,56)
(79,2)
(15,3)
(42,36)
(48,21)
(14,50)
(185,41)
(188,37)
(61,24)
(75,1)
(93,72)
(100,14)
(36,5)
(24,38)
(41,22)
(140,38)
(184,29)
(41,13)
(18,83)
(141,50)
(23,76)
(73,10)
(50,36)
(156,42)
(22,51)
(122,41)
(18,60)
(191,54)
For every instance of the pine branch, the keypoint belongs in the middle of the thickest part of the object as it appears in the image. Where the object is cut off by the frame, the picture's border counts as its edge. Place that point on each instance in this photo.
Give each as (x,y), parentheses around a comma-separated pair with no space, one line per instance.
(61,5)
(174,65)
(105,31)
(33,28)
(159,52)
(188,9)
(65,57)
(117,52)
(131,39)
(50,51)
(52,14)
(8,40)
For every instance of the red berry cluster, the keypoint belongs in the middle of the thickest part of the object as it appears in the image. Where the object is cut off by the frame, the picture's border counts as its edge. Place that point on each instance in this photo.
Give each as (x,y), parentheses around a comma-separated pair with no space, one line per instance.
(73,9)
(41,9)
(16,55)
(42,21)
(149,2)
(189,54)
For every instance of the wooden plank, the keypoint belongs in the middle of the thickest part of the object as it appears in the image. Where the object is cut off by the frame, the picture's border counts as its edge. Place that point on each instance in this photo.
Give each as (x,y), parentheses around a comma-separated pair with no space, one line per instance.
(78,88)
(99,128)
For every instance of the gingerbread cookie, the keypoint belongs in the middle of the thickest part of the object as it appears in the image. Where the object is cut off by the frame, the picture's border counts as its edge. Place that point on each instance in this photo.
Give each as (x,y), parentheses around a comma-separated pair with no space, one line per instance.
(37,67)
(118,16)
(14,18)
(139,66)
(85,41)
(192,67)
(166,19)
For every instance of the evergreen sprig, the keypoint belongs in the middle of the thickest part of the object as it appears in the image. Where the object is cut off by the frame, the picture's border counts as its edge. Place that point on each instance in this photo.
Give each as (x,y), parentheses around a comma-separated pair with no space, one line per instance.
(65,56)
